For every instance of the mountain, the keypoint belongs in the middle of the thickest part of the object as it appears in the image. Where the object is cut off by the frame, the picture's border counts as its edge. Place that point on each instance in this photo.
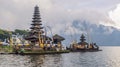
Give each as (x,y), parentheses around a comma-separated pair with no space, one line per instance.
(100,34)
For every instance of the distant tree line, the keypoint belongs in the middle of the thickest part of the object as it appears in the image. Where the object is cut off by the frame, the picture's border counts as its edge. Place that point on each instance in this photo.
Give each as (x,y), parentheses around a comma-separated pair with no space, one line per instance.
(6,34)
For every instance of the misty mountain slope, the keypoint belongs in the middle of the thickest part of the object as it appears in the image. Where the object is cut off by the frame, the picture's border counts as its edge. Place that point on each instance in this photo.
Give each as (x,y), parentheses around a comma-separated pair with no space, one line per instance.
(100,34)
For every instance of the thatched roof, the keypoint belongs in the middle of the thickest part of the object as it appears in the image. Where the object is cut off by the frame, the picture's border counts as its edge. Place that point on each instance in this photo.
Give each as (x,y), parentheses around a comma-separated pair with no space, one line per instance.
(35,38)
(58,37)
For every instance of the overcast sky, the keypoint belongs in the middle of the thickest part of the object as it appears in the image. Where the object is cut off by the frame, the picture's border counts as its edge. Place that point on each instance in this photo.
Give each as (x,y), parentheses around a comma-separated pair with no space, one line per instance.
(59,14)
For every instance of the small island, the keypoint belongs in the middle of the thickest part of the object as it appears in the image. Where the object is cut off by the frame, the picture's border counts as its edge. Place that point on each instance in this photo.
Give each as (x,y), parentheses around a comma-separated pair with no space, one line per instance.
(83,46)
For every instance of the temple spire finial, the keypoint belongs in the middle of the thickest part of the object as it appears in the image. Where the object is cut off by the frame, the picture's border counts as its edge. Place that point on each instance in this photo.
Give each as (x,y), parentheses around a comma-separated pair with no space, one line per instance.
(82,38)
(36,6)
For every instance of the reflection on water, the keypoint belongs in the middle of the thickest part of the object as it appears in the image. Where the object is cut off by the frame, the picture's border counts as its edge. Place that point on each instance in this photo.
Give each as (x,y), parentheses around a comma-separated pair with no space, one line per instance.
(37,60)
(109,57)
(45,60)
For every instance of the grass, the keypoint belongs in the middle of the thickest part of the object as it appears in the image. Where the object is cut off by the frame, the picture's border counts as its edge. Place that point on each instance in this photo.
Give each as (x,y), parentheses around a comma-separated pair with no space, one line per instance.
(9,49)
(6,49)
(45,52)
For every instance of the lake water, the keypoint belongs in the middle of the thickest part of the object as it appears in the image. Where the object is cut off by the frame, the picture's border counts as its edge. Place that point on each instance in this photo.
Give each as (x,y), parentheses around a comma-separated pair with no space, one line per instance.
(109,57)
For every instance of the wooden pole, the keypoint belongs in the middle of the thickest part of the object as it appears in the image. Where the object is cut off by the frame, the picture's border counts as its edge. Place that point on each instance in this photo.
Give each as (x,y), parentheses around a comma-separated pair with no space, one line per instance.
(39,38)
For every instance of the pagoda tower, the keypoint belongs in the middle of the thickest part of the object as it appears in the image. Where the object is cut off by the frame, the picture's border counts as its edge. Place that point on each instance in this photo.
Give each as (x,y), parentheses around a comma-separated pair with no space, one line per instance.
(82,38)
(36,33)
(36,23)
(82,41)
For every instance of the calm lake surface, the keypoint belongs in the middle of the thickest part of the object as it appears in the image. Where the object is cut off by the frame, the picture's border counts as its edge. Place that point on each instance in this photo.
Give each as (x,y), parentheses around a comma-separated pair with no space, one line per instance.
(109,57)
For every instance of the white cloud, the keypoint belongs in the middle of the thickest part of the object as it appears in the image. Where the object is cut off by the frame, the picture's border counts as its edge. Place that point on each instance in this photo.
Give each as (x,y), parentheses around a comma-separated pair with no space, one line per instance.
(115,17)
(54,13)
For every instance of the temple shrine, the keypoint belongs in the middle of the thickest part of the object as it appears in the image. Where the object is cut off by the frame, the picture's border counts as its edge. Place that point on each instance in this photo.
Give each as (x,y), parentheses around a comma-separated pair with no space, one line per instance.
(38,39)
(36,35)
(83,45)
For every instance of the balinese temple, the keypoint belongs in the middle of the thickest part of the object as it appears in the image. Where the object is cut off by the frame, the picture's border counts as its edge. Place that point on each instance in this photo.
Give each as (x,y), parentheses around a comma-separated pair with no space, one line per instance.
(57,39)
(83,43)
(36,34)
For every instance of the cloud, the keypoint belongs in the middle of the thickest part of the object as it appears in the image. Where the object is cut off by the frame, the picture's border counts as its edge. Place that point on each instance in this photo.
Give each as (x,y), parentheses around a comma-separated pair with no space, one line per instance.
(115,17)
(57,14)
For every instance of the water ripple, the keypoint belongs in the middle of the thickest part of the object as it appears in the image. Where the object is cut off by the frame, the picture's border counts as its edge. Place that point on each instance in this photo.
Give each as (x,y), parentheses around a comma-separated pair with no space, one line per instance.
(109,57)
